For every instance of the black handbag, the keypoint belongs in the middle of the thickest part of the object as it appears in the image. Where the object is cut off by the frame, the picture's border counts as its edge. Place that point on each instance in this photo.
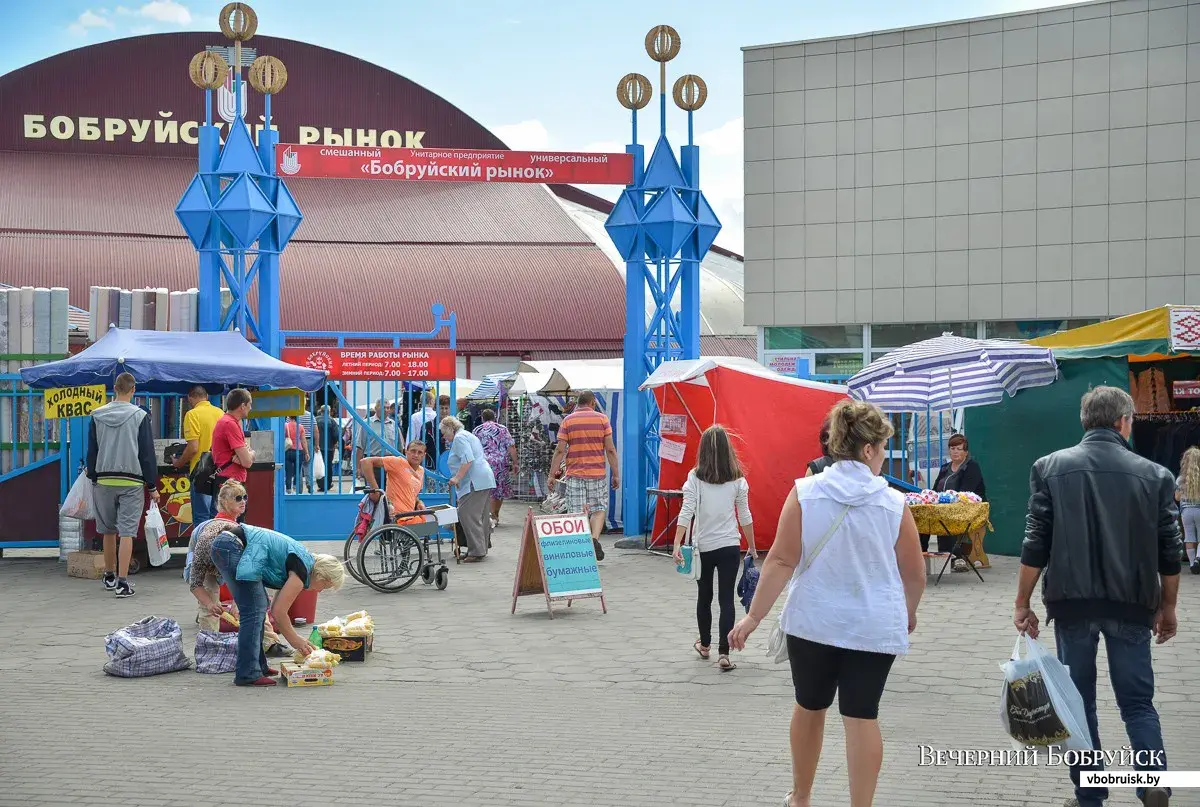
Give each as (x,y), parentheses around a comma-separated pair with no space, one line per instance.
(205,478)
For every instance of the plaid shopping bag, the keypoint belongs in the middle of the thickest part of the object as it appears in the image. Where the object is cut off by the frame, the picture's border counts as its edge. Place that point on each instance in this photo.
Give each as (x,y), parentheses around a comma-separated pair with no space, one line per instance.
(216,652)
(151,646)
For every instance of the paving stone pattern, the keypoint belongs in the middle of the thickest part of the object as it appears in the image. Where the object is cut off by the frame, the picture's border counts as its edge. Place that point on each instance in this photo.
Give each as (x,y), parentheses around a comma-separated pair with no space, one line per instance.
(465,704)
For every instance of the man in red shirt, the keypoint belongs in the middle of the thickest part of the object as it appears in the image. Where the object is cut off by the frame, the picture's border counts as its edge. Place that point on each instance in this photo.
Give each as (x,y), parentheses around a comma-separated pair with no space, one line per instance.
(585,439)
(231,455)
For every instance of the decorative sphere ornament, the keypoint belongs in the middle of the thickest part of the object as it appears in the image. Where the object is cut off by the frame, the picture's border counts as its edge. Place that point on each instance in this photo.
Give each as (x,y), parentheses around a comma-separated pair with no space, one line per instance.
(690,92)
(662,43)
(268,75)
(238,21)
(634,91)
(208,70)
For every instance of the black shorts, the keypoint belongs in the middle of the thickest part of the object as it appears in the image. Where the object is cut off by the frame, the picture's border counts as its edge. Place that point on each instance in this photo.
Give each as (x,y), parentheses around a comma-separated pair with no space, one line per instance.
(856,676)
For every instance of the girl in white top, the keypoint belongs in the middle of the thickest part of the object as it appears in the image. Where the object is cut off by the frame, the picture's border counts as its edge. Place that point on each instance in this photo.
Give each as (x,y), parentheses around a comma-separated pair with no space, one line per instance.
(848,551)
(716,502)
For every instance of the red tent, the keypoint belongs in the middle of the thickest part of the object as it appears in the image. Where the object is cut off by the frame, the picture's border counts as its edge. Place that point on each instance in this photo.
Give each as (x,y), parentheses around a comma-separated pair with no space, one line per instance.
(774,421)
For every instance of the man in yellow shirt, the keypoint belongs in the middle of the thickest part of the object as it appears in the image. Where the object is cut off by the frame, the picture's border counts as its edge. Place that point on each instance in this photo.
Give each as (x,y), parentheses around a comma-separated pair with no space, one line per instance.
(198,425)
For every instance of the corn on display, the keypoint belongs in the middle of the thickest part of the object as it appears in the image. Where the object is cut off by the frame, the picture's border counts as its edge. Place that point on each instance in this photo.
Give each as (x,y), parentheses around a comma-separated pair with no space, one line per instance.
(317,659)
(358,623)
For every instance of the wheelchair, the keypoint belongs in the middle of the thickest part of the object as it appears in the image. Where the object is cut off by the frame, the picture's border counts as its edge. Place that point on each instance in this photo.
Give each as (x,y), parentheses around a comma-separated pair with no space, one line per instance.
(390,557)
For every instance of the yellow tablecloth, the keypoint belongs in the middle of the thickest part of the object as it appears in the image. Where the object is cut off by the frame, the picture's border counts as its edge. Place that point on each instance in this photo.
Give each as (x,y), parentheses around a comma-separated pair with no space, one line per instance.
(960,518)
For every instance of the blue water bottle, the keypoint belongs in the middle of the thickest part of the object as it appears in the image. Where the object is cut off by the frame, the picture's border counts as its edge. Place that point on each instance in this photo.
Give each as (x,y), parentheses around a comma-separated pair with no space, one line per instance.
(686,566)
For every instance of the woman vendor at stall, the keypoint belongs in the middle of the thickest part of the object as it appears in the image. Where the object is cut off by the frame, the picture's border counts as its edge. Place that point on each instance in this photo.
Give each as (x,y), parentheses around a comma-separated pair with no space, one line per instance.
(963,475)
(250,559)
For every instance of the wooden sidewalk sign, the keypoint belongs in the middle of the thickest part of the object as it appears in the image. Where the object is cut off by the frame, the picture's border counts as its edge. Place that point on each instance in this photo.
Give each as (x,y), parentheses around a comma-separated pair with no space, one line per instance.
(557,559)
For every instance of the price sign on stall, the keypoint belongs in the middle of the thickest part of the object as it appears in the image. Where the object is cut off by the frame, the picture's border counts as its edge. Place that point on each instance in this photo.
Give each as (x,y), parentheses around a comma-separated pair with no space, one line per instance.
(377,364)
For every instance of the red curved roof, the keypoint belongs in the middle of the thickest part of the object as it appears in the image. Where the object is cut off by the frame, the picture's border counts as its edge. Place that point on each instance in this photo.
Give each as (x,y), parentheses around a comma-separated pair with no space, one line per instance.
(518,272)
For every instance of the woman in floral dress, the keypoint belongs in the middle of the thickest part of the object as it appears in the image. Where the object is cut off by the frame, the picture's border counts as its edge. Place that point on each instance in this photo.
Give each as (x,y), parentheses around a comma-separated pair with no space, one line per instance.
(501,452)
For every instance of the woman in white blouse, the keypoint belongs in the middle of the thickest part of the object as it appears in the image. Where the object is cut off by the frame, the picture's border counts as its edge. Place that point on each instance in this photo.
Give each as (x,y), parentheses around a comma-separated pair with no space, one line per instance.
(847,551)
(715,504)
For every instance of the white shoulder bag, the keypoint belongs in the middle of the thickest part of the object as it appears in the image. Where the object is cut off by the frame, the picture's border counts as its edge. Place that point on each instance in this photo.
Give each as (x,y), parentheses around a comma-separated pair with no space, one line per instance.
(777,643)
(692,537)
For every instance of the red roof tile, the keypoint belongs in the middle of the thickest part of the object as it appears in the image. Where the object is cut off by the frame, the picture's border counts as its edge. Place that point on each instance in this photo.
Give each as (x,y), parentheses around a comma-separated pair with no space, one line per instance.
(505,296)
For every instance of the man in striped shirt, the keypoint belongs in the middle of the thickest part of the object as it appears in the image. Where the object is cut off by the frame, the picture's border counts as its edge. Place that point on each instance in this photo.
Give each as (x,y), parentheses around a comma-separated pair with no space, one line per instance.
(585,440)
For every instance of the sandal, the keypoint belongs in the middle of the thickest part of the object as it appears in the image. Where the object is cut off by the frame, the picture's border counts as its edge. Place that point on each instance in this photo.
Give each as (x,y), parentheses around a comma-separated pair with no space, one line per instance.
(702,650)
(726,665)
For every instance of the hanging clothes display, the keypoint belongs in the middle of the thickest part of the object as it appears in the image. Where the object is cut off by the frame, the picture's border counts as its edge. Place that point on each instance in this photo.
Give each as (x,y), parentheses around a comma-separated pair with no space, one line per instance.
(1150,391)
(1163,437)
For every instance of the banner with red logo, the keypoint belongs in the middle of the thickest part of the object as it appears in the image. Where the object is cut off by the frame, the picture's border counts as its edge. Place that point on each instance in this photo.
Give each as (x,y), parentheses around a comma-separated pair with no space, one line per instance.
(377,364)
(1186,389)
(452,165)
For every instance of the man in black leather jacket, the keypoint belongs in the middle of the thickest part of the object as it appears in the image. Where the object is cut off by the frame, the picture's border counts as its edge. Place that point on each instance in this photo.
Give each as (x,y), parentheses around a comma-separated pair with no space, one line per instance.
(1102,523)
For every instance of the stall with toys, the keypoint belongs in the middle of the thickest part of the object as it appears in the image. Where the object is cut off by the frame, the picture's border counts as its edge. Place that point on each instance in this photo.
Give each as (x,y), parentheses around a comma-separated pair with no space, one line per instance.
(963,515)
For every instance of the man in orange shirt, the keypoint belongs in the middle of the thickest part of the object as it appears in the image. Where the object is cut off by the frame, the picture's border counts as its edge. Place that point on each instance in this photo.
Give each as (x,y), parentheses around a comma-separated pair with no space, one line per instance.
(405,479)
(585,439)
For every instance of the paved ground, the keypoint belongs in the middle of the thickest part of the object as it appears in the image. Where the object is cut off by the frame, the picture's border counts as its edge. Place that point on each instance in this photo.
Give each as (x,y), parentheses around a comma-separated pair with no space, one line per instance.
(464,704)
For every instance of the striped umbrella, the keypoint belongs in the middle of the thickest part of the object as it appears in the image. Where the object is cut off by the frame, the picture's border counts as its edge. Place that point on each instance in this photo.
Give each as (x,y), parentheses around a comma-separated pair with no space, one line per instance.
(952,371)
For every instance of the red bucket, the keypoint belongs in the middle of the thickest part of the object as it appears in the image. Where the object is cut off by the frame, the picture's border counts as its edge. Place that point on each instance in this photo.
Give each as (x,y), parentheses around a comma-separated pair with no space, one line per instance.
(304,607)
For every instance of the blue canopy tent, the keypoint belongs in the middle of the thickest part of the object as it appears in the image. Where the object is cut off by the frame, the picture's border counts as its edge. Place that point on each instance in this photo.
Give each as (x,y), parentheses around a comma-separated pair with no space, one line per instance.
(174,361)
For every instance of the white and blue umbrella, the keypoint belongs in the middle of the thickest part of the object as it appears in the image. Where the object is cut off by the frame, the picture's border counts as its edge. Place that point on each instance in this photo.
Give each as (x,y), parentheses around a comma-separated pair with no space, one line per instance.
(949,372)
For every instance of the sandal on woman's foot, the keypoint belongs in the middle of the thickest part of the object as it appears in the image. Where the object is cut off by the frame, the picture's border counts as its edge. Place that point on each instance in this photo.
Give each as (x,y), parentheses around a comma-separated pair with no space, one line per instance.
(702,650)
(726,665)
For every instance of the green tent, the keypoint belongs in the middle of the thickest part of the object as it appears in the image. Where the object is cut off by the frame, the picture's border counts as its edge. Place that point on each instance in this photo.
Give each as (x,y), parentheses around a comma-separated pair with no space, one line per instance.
(1008,437)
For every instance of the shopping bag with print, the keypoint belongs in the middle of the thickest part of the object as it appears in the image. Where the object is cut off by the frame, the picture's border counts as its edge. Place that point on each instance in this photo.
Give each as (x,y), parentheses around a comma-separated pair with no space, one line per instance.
(1039,704)
(80,501)
(156,537)
(151,646)
(216,652)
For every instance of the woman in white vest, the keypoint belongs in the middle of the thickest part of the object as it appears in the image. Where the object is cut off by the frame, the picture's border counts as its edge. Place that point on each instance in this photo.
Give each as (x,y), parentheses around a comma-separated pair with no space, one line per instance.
(848,552)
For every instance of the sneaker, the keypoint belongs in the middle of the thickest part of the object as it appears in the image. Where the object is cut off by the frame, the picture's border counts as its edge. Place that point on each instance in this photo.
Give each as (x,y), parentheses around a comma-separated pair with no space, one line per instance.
(122,589)
(1196,566)
(599,549)
(110,580)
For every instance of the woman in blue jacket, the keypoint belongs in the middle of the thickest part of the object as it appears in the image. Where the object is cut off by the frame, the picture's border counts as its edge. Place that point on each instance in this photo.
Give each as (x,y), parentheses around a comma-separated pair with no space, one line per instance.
(252,559)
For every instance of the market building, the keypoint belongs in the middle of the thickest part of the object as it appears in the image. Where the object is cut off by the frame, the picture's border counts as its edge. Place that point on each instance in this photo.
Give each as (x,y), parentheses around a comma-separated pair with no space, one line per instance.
(95,162)
(1007,176)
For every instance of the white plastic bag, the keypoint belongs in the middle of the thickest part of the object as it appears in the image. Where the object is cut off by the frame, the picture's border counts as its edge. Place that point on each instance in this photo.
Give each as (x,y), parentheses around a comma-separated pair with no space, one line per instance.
(156,537)
(318,466)
(1039,704)
(80,501)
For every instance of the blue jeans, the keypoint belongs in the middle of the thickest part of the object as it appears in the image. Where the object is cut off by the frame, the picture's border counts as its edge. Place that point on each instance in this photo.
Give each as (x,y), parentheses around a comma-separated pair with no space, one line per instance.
(201,507)
(251,600)
(1128,648)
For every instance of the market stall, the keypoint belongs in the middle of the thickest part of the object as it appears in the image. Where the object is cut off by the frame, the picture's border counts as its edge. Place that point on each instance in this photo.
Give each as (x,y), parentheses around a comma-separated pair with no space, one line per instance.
(1152,354)
(940,375)
(173,362)
(774,421)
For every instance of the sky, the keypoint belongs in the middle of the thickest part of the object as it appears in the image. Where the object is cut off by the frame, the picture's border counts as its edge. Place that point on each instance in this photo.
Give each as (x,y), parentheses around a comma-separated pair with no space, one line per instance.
(541,75)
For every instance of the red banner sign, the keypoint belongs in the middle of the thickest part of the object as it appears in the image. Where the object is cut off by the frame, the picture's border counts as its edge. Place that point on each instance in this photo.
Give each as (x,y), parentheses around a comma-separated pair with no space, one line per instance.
(376,364)
(1186,389)
(452,165)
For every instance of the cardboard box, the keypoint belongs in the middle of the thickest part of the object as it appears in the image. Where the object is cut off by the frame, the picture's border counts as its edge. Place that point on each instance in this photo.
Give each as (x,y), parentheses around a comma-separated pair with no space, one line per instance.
(86,565)
(350,648)
(293,675)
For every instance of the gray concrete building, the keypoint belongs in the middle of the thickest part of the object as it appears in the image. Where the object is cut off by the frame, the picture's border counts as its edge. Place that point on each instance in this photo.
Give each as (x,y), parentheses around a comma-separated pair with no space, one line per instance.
(1003,176)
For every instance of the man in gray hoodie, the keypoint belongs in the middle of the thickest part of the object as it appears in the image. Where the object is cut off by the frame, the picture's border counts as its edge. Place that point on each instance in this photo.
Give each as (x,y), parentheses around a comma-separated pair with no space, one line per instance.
(121,464)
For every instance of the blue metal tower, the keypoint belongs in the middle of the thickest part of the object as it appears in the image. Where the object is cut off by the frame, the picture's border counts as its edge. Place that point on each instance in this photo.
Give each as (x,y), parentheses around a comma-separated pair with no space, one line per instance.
(663,227)
(238,215)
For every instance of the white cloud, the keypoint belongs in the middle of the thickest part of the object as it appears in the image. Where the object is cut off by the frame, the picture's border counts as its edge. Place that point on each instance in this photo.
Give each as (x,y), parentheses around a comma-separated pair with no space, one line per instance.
(88,20)
(724,141)
(166,11)
(529,135)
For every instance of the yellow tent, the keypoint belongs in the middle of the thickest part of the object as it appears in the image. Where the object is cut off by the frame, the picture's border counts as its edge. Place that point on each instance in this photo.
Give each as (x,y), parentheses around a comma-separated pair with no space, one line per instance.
(1168,332)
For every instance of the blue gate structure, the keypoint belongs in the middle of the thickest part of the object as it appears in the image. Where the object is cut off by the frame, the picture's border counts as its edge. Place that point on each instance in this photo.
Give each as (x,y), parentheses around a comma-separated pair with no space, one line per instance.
(326,510)
(663,226)
(28,444)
